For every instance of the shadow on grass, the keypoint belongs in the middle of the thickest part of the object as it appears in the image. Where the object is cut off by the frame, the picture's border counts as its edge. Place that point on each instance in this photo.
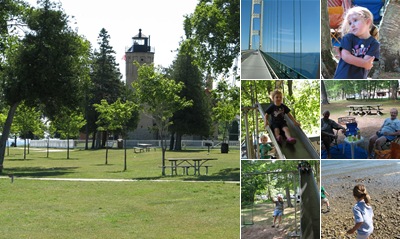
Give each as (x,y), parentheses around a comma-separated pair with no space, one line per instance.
(37,172)
(19,159)
(227,174)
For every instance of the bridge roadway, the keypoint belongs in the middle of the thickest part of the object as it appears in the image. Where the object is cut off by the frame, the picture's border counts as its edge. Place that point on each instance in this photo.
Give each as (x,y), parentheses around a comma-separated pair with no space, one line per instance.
(253,66)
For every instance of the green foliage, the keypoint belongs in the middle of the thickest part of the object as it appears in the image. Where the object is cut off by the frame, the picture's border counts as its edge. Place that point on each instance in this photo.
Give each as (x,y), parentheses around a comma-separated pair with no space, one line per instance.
(158,96)
(106,81)
(304,102)
(339,89)
(45,67)
(114,116)
(68,123)
(226,105)
(214,30)
(196,119)
(28,120)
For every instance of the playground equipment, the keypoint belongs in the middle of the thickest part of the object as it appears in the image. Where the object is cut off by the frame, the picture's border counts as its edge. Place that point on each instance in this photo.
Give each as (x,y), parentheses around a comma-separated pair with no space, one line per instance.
(309,204)
(247,217)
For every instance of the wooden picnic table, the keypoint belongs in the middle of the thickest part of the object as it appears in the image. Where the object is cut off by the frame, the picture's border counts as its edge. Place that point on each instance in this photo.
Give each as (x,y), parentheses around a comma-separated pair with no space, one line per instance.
(365,109)
(186,163)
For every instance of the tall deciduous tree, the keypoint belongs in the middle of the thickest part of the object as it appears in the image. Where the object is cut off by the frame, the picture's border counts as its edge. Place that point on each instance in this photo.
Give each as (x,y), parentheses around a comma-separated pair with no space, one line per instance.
(159,98)
(46,67)
(214,28)
(106,79)
(194,120)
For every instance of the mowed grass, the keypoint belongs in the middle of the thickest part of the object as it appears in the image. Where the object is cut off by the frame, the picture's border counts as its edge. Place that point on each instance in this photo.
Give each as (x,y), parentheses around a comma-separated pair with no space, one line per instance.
(172,207)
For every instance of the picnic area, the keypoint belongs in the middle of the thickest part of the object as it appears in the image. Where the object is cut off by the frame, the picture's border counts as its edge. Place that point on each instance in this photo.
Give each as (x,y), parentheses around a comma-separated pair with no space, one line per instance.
(367,123)
(82,197)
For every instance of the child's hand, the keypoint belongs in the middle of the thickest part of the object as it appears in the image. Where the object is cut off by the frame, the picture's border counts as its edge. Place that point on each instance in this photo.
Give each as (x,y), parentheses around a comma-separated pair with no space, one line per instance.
(368,63)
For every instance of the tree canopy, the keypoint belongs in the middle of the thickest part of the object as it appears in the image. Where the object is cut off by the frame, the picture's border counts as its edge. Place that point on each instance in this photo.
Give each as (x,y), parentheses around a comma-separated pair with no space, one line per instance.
(214,30)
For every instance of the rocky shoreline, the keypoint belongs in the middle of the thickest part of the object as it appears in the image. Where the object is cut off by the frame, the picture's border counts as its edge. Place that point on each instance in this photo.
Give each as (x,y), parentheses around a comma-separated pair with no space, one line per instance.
(384,189)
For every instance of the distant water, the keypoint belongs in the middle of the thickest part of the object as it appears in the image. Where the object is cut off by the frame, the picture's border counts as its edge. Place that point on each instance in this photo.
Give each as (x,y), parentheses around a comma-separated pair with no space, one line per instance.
(332,168)
(305,63)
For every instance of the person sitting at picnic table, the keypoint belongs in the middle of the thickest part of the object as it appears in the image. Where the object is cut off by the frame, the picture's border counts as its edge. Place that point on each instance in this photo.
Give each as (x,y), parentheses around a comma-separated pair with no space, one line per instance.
(327,134)
(388,132)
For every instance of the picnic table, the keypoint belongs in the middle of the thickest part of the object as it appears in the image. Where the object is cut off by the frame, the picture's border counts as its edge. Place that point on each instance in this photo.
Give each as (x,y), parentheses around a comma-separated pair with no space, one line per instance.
(145,147)
(365,109)
(186,163)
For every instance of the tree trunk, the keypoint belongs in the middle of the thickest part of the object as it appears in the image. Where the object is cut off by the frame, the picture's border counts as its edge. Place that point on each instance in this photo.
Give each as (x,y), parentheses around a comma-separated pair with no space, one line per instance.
(178,143)
(6,132)
(125,164)
(172,141)
(289,199)
(328,62)
(324,95)
(393,89)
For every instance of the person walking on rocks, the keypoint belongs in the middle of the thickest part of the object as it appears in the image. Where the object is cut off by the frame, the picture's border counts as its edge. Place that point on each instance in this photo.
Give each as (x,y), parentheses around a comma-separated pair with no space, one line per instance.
(278,212)
(363,213)
(324,199)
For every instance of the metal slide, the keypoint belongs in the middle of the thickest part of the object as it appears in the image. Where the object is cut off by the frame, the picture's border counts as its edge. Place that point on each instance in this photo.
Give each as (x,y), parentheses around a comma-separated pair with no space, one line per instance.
(303,149)
(310,206)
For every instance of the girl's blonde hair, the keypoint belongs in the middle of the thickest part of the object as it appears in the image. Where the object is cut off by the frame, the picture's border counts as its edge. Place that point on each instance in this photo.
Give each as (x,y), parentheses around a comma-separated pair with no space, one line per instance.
(361,12)
(274,93)
(360,192)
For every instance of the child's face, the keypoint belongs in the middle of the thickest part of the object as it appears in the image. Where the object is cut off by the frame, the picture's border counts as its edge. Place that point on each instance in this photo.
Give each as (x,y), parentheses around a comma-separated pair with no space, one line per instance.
(264,140)
(359,25)
(277,99)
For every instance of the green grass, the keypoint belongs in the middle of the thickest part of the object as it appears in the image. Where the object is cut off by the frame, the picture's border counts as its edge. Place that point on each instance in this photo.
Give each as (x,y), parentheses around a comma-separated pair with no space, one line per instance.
(171,207)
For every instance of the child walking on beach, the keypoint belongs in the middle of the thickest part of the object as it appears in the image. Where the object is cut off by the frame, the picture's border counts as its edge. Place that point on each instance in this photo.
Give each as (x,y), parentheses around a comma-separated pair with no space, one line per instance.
(358,48)
(277,110)
(363,213)
(265,147)
(278,212)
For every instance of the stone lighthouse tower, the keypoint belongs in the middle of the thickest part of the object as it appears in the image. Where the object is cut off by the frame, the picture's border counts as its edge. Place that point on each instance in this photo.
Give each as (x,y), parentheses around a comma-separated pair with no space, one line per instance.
(140,52)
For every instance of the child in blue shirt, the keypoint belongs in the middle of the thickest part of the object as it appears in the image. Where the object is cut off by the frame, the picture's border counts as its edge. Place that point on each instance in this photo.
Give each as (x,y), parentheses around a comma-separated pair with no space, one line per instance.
(363,213)
(265,148)
(358,49)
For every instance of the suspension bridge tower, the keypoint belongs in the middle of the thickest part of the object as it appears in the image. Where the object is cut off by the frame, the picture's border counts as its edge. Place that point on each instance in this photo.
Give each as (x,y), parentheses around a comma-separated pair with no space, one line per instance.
(256,15)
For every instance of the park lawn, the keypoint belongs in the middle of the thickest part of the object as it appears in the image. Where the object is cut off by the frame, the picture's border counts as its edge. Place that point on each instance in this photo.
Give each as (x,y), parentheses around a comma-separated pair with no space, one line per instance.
(172,207)
(91,164)
(143,209)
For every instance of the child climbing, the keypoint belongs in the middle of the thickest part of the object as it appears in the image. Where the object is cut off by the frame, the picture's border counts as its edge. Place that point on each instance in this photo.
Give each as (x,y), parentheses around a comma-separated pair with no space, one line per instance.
(278,212)
(277,110)
(363,213)
(358,48)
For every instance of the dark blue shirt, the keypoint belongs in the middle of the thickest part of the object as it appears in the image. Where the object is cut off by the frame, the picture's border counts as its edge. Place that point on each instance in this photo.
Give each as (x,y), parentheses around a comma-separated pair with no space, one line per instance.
(357,47)
(277,113)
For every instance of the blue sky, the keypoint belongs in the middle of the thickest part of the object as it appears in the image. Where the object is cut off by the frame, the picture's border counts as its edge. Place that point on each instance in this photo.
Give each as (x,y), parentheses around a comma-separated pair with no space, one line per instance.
(288,25)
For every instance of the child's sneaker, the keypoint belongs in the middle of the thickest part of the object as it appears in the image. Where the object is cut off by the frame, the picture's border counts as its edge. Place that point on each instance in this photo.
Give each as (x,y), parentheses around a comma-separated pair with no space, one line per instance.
(291,140)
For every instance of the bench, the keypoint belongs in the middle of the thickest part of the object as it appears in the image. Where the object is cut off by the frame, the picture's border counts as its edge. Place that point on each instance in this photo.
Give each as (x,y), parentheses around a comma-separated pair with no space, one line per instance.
(138,148)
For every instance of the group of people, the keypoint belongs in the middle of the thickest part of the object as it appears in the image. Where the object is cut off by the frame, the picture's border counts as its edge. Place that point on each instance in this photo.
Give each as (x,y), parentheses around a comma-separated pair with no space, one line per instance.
(389,130)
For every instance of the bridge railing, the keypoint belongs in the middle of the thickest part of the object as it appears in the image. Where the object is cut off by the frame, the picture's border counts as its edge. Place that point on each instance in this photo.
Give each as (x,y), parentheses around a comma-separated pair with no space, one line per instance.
(281,70)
